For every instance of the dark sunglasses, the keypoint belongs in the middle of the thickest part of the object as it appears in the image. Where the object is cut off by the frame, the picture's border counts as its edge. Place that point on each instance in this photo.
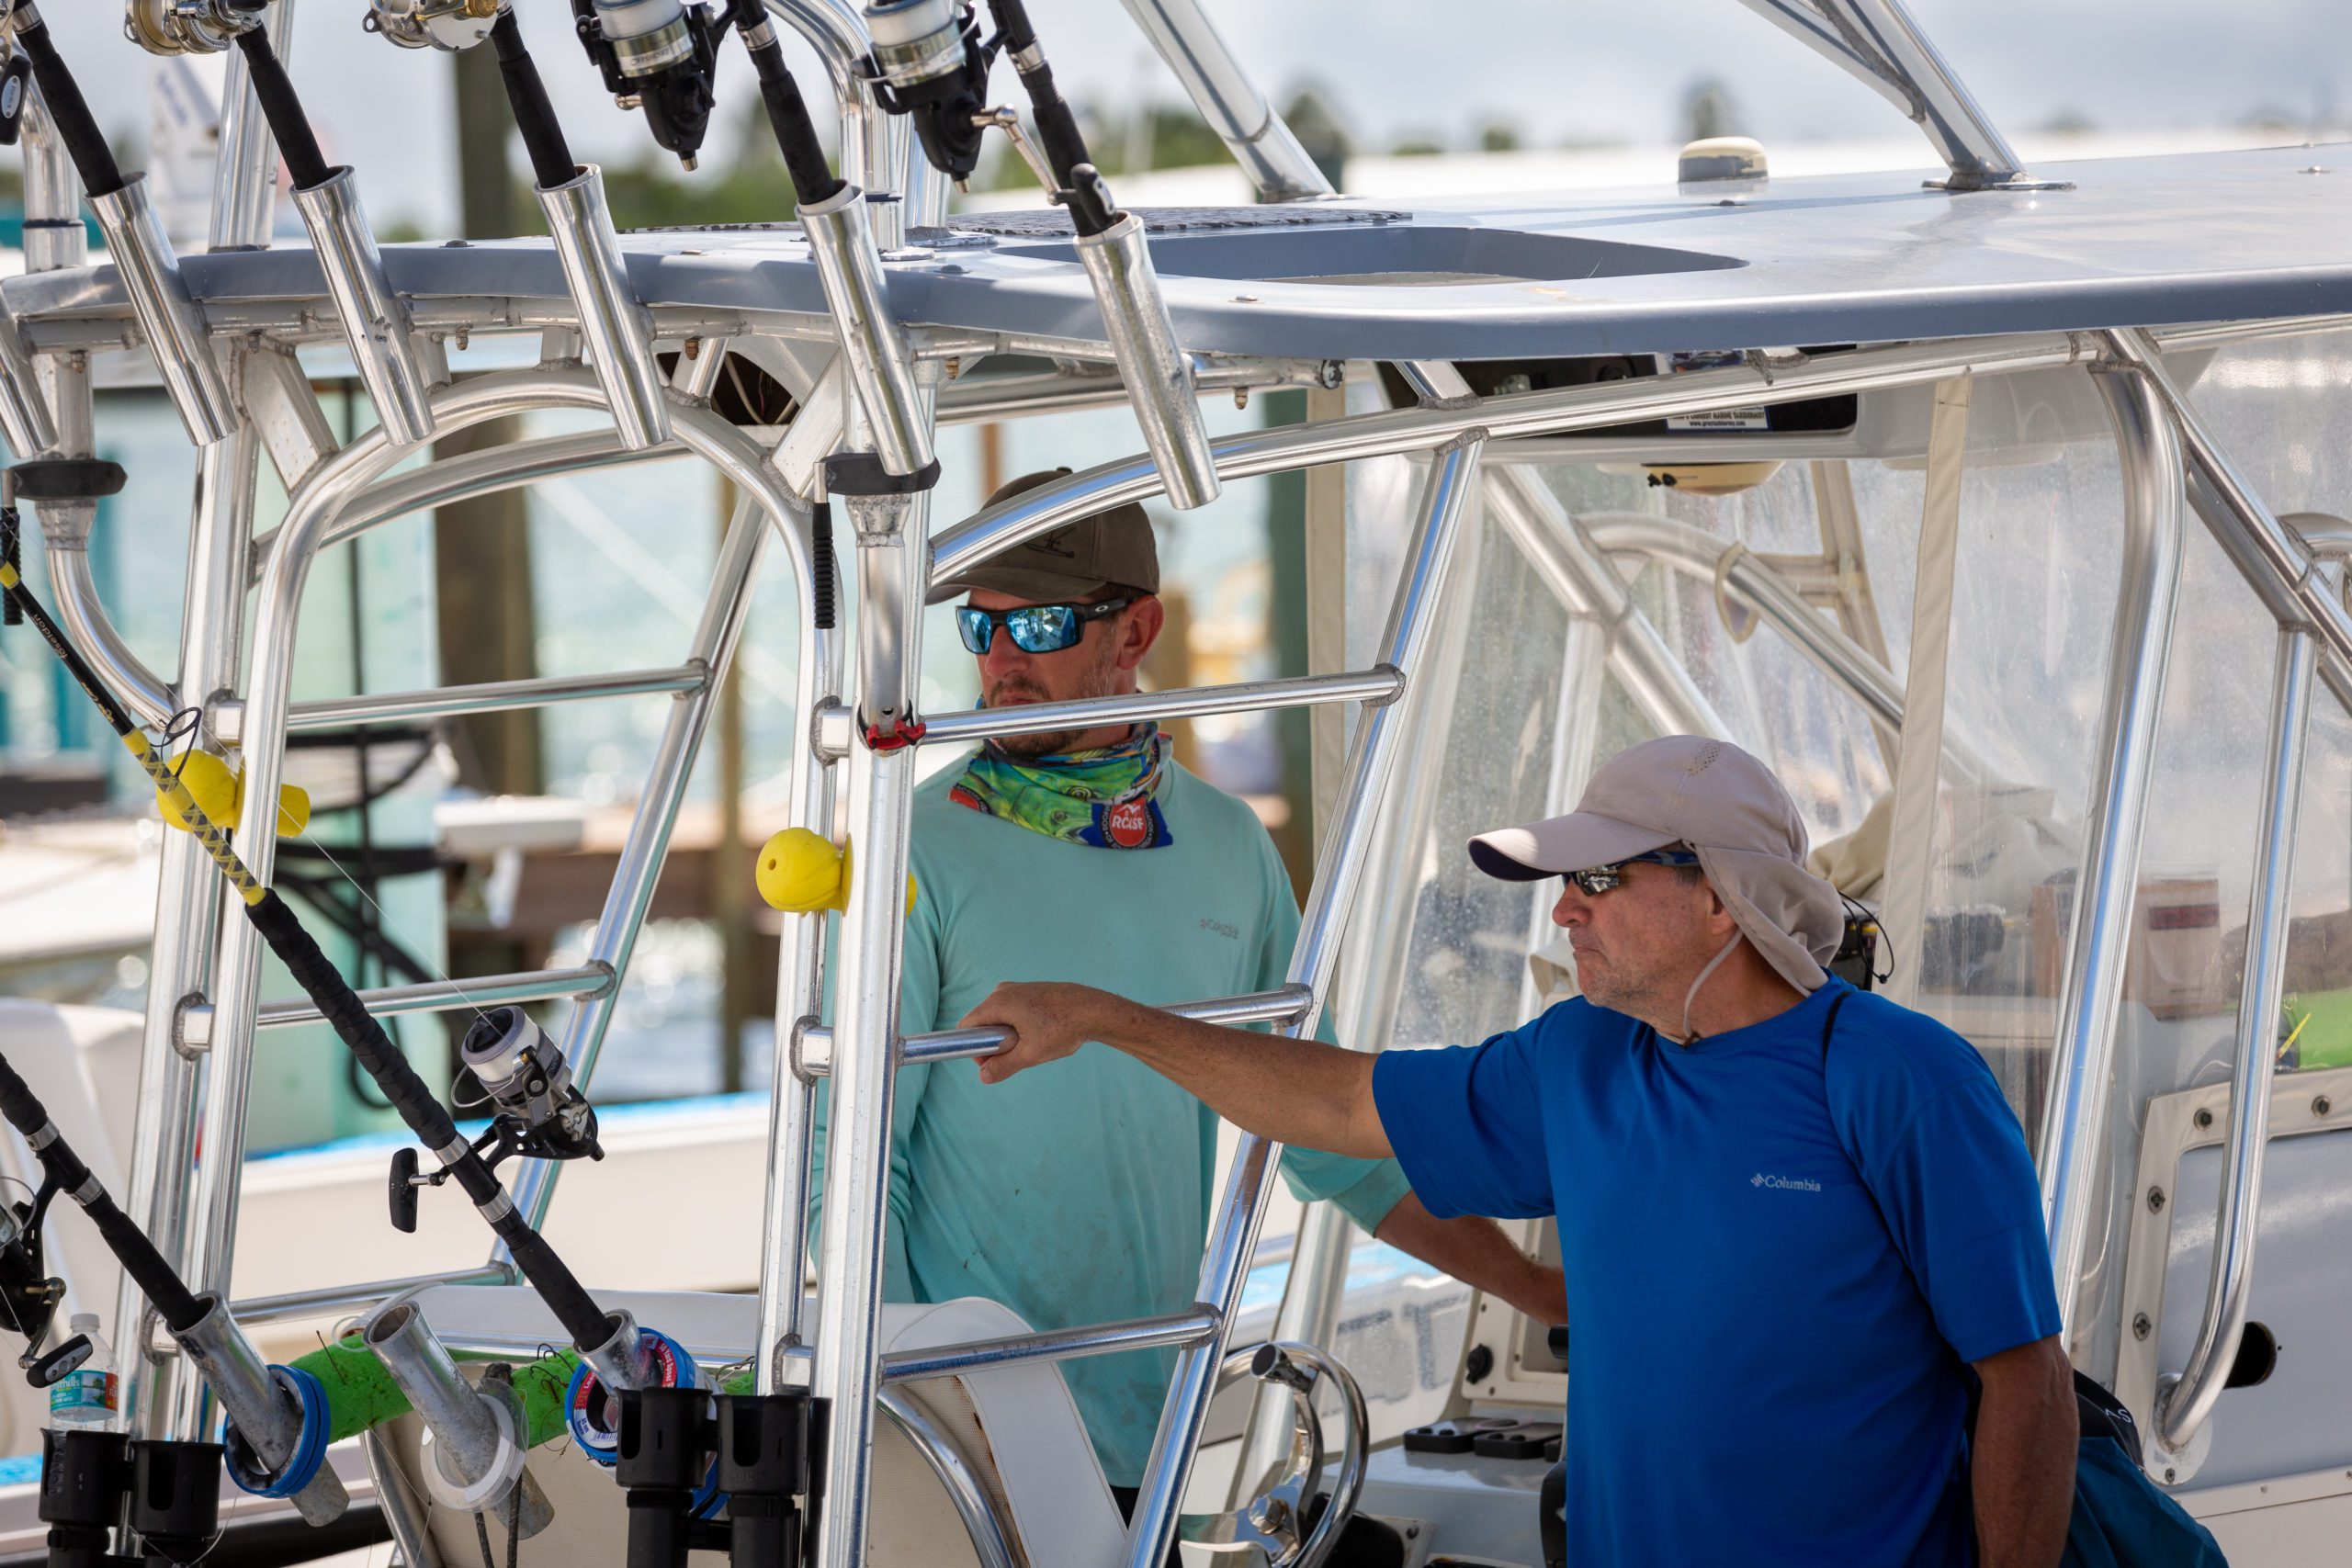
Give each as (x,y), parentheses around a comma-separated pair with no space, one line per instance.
(1033,629)
(1593,881)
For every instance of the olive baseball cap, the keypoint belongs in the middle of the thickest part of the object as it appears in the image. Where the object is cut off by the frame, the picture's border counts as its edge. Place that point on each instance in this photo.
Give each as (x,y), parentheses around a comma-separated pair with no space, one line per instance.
(1110,550)
(1723,804)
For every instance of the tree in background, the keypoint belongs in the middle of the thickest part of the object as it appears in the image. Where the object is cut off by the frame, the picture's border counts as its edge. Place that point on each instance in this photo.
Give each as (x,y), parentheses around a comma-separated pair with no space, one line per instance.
(1316,125)
(1709,109)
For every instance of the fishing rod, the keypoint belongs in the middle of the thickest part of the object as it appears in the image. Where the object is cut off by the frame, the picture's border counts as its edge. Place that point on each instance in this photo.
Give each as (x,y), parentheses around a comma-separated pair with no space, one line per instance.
(930,63)
(174,327)
(614,328)
(376,324)
(622,1358)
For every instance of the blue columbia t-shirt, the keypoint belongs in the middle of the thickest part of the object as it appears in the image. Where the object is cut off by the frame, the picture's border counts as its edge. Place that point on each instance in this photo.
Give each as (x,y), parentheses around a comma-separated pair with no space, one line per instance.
(1766,1362)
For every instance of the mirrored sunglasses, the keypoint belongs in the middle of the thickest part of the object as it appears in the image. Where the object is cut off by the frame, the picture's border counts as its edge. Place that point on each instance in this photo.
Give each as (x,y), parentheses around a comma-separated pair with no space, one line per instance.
(1033,629)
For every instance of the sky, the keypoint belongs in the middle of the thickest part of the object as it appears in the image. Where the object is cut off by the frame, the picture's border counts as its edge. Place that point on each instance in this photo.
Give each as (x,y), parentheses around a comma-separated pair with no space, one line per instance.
(1557,70)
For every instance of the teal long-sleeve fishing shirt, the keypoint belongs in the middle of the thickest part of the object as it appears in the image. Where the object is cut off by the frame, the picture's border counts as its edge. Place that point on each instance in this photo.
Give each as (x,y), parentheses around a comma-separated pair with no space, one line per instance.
(1080,1192)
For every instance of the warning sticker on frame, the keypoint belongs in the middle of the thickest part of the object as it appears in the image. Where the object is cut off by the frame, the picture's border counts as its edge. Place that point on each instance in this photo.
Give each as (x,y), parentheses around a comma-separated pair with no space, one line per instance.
(1714,419)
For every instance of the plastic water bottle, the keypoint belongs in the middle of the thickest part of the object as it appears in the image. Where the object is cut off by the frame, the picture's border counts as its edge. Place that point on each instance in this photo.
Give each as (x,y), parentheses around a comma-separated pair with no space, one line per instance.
(83,1399)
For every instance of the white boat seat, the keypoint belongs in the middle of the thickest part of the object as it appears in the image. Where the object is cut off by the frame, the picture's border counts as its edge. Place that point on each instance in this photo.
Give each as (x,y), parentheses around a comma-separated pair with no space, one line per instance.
(1015,1428)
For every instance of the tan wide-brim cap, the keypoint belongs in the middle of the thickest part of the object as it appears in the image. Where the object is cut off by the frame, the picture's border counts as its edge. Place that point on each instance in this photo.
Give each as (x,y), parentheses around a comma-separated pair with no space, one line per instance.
(1110,550)
(1728,807)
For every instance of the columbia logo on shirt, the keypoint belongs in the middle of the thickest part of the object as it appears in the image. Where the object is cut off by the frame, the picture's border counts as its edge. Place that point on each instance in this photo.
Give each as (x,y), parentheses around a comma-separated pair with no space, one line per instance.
(1785,1183)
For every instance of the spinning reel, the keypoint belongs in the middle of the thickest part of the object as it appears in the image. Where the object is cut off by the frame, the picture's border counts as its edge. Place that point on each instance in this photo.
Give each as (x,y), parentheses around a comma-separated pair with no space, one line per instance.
(539,1111)
(30,1294)
(660,55)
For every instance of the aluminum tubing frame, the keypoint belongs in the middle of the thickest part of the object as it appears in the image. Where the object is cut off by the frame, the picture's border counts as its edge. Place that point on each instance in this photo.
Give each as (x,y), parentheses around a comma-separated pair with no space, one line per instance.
(1447,496)
(890,559)
(212,1201)
(1398,431)
(190,902)
(2074,1130)
(1556,548)
(973,1503)
(792,1105)
(2184,1402)
(1258,139)
(638,868)
(1881,46)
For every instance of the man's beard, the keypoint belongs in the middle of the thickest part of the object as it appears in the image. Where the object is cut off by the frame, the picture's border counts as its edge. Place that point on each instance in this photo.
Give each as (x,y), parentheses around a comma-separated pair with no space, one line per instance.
(1046,743)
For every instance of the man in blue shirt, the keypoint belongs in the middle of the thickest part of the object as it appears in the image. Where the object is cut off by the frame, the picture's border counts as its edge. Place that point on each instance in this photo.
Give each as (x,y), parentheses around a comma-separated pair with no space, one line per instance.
(1795,1218)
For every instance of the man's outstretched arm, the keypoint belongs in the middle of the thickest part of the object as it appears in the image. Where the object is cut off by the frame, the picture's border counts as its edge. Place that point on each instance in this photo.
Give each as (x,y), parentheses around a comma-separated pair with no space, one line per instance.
(1476,1252)
(1295,1091)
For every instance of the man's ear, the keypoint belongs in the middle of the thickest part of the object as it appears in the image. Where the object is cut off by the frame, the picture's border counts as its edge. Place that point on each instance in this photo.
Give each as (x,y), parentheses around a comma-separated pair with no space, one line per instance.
(1138,629)
(1718,913)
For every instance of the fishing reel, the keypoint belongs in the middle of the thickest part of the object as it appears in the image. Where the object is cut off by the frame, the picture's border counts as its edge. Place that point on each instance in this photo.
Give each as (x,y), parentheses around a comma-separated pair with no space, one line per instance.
(447,25)
(929,63)
(660,55)
(29,1294)
(189,26)
(537,1111)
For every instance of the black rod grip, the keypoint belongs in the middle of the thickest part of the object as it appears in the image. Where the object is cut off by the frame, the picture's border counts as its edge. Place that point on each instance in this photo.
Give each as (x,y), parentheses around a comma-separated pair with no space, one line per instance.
(551,161)
(349,1018)
(156,1280)
(76,127)
(283,109)
(796,134)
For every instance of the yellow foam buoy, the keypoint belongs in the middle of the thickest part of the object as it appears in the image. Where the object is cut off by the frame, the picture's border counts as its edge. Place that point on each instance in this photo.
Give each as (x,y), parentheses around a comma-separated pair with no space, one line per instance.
(220,794)
(802,872)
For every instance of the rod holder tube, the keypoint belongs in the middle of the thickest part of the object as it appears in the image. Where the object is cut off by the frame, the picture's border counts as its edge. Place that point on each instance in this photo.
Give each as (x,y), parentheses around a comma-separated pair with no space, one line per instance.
(840,238)
(614,327)
(621,1362)
(167,313)
(271,1427)
(375,322)
(24,411)
(470,1444)
(1158,373)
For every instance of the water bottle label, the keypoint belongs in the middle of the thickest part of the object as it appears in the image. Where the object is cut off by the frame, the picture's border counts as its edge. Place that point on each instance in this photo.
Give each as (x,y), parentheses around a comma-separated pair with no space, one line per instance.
(85,1390)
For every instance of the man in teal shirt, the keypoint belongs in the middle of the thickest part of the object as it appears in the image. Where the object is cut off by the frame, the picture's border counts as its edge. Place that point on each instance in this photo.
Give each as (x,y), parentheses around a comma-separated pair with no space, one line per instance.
(1083,1196)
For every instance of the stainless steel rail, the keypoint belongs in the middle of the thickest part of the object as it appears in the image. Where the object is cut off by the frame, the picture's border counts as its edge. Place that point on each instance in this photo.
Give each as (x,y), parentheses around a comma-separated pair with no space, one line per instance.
(1398,431)
(972,1501)
(950,1045)
(1257,138)
(2183,1403)
(1582,578)
(294,1305)
(1447,496)
(189,902)
(580,981)
(490,696)
(1879,44)
(1188,701)
(2074,1131)
(1053,1345)
(638,868)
